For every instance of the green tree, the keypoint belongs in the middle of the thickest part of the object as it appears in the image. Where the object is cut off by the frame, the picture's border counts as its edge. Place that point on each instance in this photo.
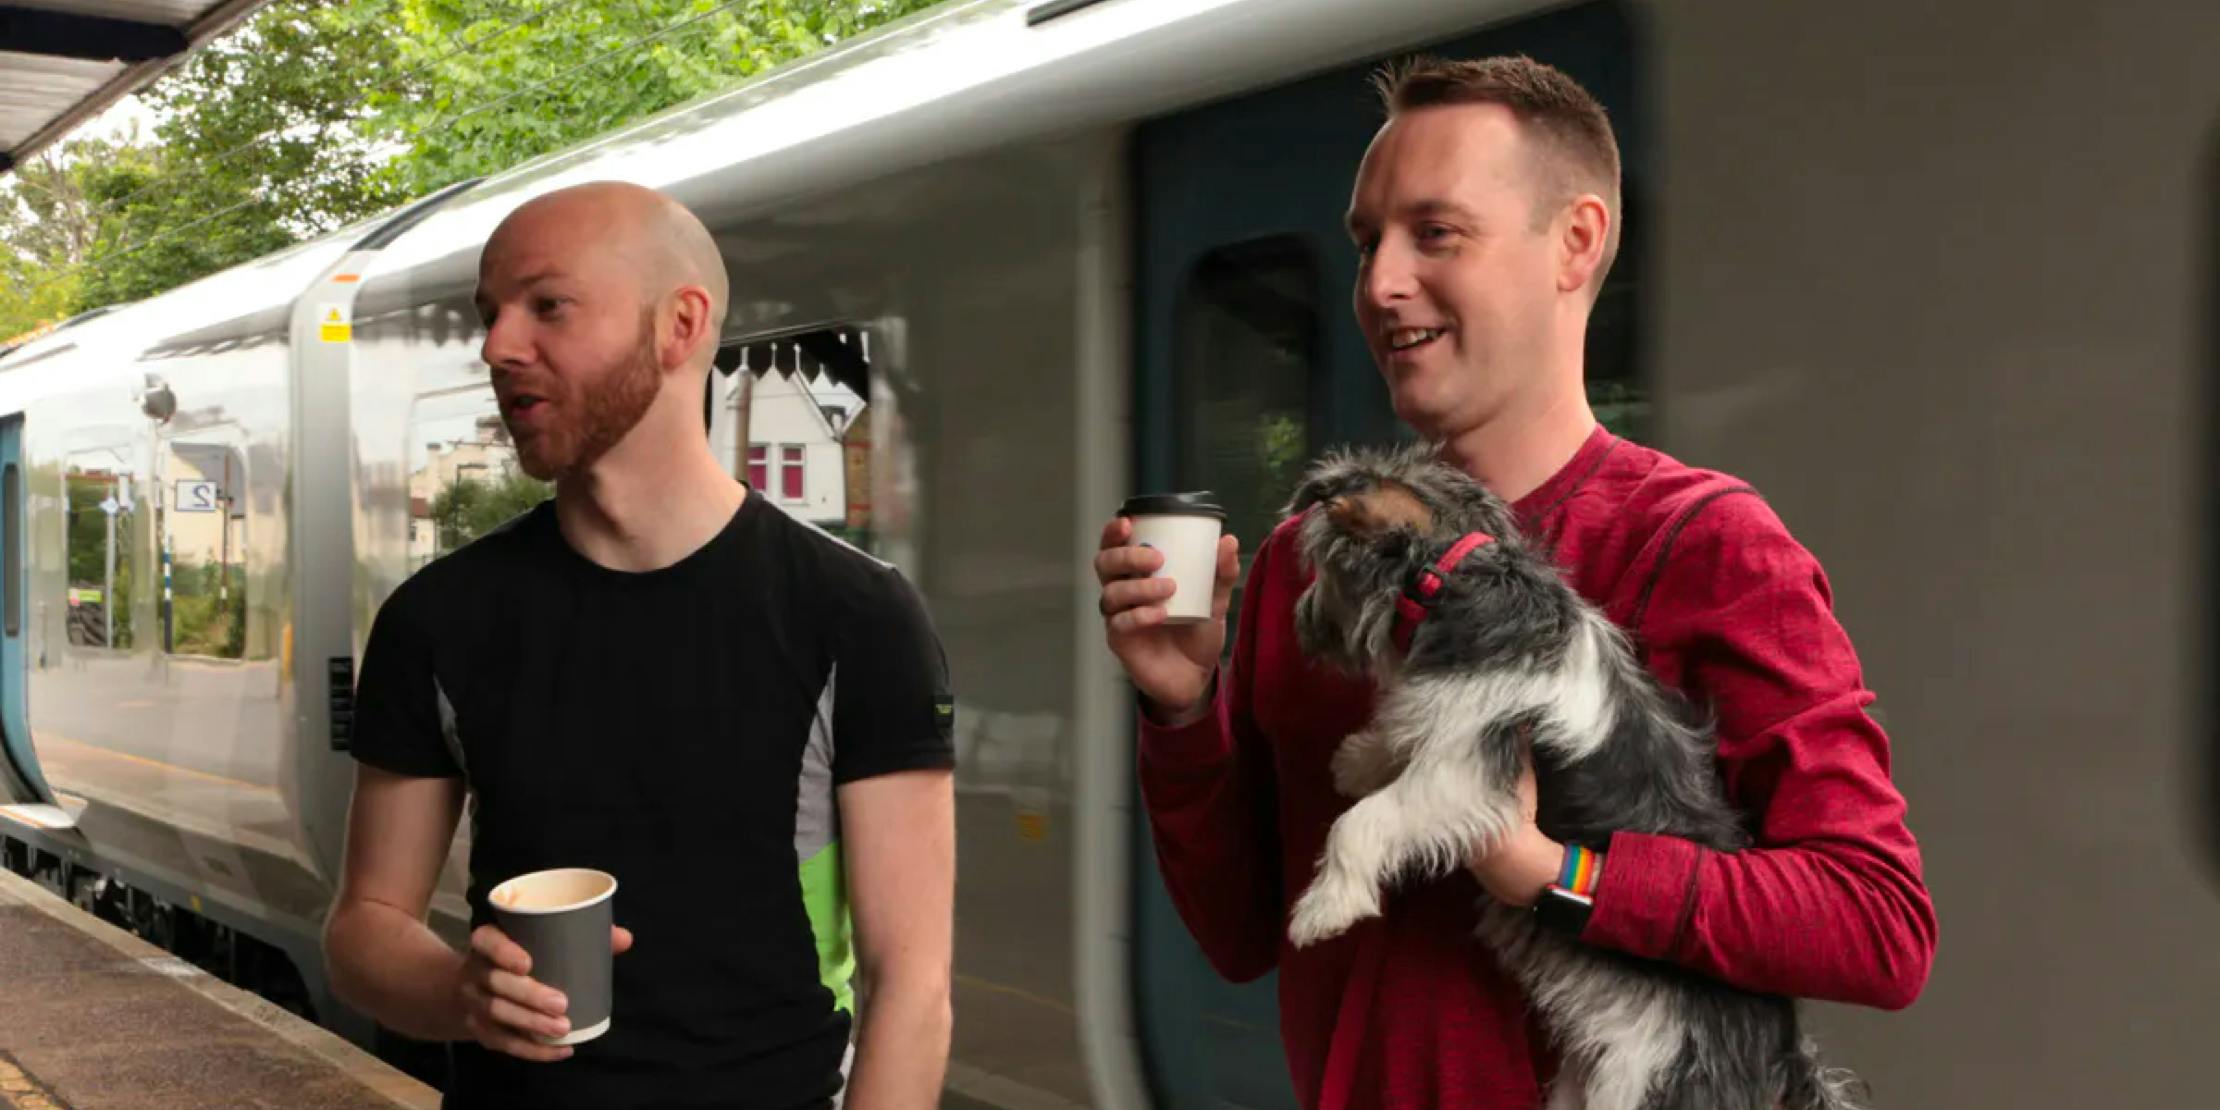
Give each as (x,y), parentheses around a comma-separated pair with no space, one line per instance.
(315,115)
(1622,407)
(579,70)
(469,508)
(49,224)
(261,144)
(208,610)
(31,295)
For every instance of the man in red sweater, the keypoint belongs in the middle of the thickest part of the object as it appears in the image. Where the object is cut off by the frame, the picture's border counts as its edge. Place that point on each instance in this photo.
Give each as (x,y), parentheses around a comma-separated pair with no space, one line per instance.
(1486,215)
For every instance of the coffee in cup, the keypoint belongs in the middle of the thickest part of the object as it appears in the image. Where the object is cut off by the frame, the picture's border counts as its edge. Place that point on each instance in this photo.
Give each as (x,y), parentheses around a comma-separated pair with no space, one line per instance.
(563,917)
(1185,527)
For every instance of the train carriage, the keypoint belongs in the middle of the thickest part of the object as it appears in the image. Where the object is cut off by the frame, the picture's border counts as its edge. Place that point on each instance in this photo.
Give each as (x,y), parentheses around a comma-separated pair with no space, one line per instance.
(1939,280)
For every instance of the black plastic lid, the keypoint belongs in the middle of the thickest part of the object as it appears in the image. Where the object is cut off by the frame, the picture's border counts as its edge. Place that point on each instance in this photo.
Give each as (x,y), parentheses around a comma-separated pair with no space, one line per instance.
(1198,503)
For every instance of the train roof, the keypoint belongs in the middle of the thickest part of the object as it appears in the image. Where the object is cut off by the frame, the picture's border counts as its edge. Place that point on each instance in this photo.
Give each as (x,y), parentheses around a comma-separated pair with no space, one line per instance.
(970,76)
(965,77)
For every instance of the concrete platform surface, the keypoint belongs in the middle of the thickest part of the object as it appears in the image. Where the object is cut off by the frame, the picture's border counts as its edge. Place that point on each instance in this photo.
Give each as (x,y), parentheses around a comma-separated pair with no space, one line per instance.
(93,1018)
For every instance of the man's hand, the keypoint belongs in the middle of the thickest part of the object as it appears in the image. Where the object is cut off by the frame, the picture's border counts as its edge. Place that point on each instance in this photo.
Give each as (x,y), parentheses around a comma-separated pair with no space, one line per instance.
(504,1008)
(1170,664)
(1517,871)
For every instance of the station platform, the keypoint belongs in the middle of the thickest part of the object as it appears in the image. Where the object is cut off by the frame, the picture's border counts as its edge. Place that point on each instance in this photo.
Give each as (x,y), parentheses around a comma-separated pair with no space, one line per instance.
(93,1018)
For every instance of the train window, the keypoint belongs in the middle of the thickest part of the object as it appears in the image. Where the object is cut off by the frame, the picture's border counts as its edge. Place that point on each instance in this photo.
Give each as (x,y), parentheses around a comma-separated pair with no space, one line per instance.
(465,480)
(11,529)
(1616,389)
(101,512)
(791,415)
(1248,332)
(204,549)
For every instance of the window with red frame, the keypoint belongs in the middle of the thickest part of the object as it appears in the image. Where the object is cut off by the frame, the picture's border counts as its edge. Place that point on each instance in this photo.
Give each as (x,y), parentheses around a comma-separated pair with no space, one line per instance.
(790,473)
(759,467)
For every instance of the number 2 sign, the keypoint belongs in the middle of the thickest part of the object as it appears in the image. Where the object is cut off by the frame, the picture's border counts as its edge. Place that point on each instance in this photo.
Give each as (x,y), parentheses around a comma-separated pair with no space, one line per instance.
(196,497)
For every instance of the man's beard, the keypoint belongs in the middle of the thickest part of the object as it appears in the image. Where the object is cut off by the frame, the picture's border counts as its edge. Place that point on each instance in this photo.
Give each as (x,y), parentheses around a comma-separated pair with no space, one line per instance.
(597,418)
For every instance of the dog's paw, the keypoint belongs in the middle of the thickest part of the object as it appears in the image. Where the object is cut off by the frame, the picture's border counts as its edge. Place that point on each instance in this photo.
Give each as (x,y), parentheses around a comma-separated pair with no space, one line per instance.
(1356,770)
(1327,910)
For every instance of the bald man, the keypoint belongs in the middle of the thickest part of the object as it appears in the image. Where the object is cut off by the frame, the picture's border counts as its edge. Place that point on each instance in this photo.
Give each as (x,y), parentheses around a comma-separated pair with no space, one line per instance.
(659,675)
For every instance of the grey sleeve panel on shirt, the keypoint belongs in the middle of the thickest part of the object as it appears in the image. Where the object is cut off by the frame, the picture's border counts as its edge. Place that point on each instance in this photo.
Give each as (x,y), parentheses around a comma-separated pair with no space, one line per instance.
(402,719)
(817,809)
(449,733)
(892,708)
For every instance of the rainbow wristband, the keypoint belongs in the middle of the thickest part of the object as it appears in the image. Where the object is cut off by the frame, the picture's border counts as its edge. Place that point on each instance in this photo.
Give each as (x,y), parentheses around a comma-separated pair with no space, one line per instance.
(1583,870)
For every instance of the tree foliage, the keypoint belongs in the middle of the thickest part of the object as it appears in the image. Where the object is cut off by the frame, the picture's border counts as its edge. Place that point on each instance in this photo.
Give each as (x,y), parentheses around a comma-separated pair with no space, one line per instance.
(317,115)
(582,69)
(469,507)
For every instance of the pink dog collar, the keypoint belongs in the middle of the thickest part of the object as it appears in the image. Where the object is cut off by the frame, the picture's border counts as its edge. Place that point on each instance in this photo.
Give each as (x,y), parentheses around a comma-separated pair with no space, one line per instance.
(1417,600)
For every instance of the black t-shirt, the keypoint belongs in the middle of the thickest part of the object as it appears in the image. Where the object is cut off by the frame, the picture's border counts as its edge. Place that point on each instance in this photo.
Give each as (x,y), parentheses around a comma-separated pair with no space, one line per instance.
(684,730)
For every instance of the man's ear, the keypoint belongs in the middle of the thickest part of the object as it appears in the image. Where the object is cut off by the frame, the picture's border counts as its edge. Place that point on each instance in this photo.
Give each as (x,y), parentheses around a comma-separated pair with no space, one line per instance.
(687,326)
(1583,231)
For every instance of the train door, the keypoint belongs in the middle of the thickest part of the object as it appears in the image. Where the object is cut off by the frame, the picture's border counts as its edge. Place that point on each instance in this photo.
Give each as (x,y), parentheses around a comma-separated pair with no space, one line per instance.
(1249,363)
(25,783)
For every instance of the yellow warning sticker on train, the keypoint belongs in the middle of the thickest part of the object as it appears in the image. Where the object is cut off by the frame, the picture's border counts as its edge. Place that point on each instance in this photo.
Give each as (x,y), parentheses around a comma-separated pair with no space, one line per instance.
(335,323)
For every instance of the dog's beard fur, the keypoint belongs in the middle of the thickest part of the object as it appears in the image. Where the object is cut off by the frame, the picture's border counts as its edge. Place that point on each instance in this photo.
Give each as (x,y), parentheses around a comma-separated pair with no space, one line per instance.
(1509,654)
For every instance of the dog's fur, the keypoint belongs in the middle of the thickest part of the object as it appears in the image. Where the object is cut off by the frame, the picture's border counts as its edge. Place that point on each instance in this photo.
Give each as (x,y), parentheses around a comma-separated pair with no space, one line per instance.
(1510,654)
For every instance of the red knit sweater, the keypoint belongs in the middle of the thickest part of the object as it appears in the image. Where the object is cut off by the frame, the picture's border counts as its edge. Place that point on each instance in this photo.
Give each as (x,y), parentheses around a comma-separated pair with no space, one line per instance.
(1407,1010)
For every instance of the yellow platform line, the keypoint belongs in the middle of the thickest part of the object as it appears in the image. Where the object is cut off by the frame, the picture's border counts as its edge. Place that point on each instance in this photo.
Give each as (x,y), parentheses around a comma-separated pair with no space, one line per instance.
(110,753)
(977,983)
(18,1091)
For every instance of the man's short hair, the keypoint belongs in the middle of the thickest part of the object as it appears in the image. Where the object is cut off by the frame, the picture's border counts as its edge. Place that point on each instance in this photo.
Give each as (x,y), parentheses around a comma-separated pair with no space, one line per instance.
(1568,128)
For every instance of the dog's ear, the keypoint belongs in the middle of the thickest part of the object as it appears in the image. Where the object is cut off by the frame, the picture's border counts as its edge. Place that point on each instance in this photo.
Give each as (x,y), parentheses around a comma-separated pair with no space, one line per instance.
(1388,506)
(1363,505)
(1331,478)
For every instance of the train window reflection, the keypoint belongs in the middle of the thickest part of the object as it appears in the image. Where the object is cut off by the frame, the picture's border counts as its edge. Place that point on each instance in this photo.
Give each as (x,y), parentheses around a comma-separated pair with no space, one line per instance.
(803,402)
(464,480)
(204,549)
(1248,333)
(100,521)
(1616,389)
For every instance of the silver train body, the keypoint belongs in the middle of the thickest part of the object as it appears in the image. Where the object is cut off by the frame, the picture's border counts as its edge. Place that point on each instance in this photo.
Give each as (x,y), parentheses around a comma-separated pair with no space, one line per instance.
(1939,279)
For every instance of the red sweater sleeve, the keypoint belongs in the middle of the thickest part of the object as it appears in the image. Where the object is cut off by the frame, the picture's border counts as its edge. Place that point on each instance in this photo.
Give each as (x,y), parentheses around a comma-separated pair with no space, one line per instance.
(1211,797)
(1829,902)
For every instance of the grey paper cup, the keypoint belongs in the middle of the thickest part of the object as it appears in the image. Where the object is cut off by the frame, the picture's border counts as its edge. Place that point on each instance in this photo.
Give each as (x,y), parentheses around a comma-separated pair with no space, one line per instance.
(562,918)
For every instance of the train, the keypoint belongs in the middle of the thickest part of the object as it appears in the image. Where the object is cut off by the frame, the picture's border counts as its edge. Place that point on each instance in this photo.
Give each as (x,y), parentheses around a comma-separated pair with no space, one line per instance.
(1941,281)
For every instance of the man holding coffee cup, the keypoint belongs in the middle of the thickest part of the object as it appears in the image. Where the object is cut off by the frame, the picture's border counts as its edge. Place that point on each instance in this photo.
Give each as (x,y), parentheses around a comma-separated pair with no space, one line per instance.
(673,707)
(1485,216)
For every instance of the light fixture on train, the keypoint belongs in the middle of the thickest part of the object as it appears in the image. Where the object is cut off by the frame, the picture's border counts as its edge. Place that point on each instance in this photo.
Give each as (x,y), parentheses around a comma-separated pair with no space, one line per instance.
(157,401)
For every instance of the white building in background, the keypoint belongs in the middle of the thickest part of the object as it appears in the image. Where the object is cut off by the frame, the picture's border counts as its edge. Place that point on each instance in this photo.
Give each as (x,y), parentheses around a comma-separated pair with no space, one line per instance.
(485,456)
(794,451)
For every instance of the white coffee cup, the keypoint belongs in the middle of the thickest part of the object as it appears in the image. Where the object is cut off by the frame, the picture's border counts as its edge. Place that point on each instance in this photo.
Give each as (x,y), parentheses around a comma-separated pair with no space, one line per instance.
(1185,527)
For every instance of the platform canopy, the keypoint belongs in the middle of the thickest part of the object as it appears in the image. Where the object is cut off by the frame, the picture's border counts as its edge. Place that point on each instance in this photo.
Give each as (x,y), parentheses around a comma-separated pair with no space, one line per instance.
(63,62)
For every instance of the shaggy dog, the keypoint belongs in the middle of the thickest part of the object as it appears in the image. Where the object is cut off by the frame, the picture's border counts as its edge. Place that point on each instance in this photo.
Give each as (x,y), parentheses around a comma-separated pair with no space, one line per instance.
(1478,649)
